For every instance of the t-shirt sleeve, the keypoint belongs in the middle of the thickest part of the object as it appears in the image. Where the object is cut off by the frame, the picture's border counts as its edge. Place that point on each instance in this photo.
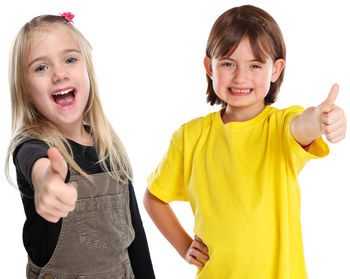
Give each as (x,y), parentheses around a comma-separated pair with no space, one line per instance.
(24,157)
(296,154)
(167,181)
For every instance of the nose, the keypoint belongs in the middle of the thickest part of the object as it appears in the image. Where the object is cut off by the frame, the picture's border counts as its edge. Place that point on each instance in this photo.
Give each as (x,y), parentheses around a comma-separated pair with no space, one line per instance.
(240,75)
(59,74)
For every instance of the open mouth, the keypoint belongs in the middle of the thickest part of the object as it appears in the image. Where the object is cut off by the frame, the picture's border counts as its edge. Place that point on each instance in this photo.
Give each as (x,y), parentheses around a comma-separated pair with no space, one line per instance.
(64,97)
(240,92)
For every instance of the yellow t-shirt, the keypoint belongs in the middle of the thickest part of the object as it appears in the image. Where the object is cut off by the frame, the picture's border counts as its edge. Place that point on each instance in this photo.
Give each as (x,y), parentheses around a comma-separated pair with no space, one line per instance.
(241,181)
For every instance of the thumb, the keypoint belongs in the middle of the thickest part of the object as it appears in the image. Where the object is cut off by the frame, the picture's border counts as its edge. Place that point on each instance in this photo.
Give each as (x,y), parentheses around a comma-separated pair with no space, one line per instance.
(58,164)
(327,105)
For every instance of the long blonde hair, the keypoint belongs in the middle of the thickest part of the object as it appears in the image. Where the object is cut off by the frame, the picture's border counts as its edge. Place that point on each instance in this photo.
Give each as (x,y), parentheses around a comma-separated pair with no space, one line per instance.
(28,123)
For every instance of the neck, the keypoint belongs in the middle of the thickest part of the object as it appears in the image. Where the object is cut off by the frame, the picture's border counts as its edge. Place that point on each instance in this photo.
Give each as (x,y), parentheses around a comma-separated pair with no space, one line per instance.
(78,134)
(241,114)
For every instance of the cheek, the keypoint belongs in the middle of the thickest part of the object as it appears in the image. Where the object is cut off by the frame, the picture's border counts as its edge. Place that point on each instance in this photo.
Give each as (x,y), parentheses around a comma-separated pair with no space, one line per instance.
(87,84)
(220,78)
(85,88)
(263,81)
(35,89)
(85,80)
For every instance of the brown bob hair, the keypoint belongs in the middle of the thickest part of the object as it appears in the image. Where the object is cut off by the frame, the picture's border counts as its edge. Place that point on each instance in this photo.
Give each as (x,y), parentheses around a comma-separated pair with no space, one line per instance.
(264,35)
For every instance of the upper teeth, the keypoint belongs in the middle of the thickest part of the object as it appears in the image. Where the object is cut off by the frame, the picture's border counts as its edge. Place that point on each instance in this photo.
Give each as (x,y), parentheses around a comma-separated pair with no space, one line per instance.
(63,92)
(240,90)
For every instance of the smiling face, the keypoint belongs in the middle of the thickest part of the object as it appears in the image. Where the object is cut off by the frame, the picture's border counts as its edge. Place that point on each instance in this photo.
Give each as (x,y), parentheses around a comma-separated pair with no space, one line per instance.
(241,81)
(58,80)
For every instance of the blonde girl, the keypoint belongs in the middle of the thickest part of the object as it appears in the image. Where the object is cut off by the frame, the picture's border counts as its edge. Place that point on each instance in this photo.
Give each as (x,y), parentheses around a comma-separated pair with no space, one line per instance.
(82,219)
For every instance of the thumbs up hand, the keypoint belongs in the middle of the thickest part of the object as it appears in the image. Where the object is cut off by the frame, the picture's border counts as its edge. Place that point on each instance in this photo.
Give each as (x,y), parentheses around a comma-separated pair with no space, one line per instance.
(331,118)
(53,197)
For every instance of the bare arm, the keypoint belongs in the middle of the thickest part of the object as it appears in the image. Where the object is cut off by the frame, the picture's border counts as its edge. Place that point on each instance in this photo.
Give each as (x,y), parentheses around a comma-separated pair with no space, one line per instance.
(327,119)
(168,224)
(305,128)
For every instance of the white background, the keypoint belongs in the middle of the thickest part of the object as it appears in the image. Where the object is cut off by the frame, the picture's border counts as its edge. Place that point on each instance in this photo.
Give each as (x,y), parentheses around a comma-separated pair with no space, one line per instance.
(148,57)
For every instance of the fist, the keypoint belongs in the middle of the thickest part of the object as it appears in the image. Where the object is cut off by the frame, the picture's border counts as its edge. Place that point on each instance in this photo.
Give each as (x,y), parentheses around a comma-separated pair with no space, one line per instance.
(331,117)
(53,197)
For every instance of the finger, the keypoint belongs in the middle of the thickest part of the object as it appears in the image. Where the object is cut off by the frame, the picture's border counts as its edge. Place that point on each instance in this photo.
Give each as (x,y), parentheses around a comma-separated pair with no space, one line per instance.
(53,206)
(337,139)
(193,260)
(336,136)
(196,237)
(58,164)
(202,245)
(51,214)
(198,254)
(331,128)
(67,195)
(58,212)
(327,105)
(50,218)
(333,116)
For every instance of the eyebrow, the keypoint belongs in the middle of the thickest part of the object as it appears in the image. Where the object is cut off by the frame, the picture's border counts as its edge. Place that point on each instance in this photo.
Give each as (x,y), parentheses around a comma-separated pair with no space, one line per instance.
(45,57)
(250,61)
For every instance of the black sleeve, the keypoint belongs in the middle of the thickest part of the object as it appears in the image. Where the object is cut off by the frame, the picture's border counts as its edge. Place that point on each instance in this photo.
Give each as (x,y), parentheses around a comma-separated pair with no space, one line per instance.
(24,158)
(39,236)
(138,250)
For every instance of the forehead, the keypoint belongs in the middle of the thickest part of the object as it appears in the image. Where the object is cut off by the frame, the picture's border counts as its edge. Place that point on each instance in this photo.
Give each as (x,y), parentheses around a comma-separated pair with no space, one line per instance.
(46,40)
(242,49)
(252,47)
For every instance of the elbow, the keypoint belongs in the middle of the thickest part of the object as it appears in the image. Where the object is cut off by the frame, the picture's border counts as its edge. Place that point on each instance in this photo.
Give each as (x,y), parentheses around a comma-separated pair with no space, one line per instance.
(151,203)
(148,201)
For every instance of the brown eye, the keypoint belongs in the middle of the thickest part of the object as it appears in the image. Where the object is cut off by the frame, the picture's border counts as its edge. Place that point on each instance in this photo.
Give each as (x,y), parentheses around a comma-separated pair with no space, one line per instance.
(227,64)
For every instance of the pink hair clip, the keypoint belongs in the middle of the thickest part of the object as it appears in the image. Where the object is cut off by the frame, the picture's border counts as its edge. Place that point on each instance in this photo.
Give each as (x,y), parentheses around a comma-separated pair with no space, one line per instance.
(68,16)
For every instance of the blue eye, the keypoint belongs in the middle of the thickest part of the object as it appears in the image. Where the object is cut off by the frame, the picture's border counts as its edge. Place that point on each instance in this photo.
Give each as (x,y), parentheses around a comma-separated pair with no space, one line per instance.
(41,68)
(71,60)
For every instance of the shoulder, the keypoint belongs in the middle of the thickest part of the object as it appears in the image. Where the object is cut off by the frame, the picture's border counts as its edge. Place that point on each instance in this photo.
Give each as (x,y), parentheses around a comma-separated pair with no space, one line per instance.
(286,111)
(284,115)
(196,125)
(24,158)
(30,147)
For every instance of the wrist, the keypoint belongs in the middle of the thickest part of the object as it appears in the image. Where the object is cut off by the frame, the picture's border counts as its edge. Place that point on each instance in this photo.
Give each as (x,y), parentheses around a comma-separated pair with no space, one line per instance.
(317,118)
(185,247)
(312,129)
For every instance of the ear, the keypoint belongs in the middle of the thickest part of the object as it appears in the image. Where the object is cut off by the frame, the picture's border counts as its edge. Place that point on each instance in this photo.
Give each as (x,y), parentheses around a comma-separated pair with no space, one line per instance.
(277,69)
(208,66)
